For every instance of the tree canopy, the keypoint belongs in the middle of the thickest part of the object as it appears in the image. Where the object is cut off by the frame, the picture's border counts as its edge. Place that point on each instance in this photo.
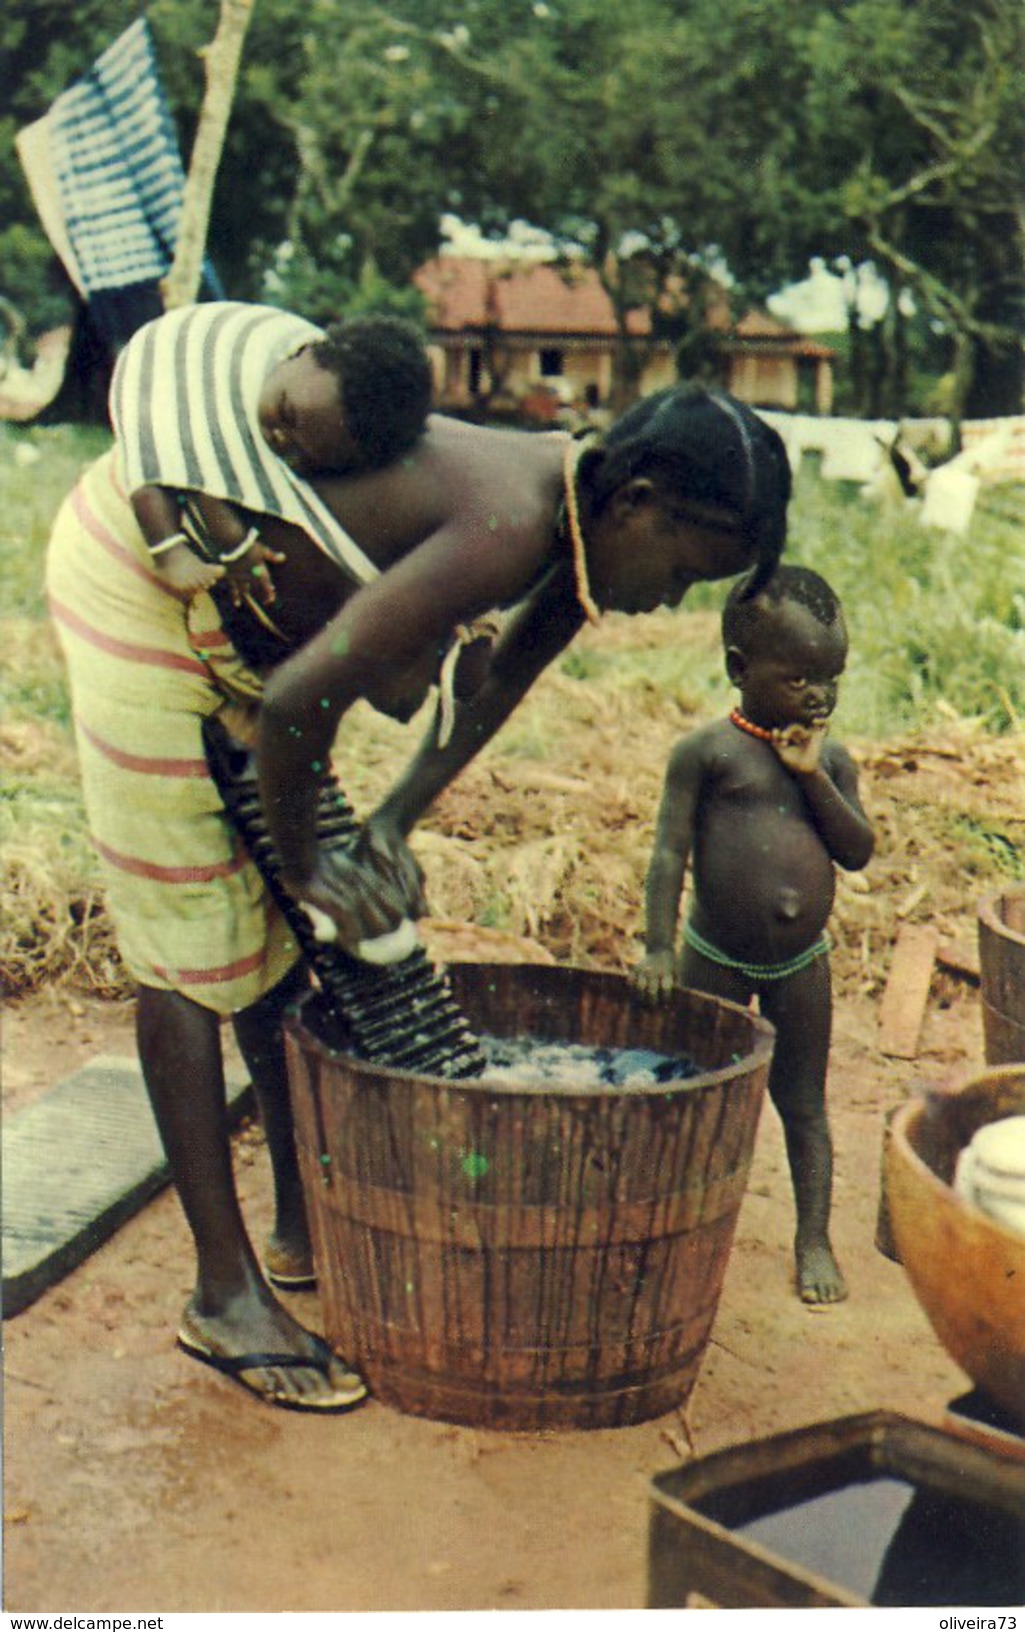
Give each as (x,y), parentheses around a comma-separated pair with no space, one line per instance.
(671,142)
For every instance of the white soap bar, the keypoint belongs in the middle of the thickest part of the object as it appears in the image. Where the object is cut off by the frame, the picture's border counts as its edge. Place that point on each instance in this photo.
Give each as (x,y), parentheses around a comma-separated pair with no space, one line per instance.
(391,947)
(323,925)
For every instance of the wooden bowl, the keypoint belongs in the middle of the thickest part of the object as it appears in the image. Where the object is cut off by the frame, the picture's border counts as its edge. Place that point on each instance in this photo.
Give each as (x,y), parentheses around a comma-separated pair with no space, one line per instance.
(967,1269)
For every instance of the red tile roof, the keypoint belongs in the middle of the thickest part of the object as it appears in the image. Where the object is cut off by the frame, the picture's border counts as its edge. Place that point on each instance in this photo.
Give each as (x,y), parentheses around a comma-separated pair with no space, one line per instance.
(766,332)
(464,292)
(456,290)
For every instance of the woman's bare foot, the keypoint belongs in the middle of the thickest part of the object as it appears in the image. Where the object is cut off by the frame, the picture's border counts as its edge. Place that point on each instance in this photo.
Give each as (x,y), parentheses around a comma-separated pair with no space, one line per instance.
(819,1277)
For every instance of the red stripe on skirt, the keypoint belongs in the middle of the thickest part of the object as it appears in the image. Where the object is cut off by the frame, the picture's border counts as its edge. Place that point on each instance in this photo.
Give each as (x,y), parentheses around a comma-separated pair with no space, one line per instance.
(170,875)
(152,656)
(144,763)
(212,977)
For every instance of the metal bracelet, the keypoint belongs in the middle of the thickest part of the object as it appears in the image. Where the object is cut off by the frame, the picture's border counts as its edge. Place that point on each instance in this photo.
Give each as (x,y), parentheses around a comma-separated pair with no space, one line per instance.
(251,538)
(168,543)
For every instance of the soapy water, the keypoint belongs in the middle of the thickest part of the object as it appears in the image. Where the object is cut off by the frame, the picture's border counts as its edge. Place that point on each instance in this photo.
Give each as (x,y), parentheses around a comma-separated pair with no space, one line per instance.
(580,1067)
(895,1543)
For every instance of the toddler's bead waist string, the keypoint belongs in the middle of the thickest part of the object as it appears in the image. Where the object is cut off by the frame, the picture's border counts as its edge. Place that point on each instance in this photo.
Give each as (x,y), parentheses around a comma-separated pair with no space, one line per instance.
(757,971)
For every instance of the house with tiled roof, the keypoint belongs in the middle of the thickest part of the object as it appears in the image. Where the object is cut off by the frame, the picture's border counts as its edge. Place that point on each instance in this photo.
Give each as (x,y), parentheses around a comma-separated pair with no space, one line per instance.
(772,366)
(542,336)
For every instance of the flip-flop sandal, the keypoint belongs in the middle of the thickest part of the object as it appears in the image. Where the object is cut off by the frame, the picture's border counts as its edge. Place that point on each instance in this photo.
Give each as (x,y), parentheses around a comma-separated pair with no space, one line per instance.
(290,1283)
(342,1399)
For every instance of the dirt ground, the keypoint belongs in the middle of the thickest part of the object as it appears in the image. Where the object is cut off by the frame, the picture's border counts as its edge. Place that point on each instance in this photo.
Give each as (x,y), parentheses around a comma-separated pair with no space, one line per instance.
(136,1480)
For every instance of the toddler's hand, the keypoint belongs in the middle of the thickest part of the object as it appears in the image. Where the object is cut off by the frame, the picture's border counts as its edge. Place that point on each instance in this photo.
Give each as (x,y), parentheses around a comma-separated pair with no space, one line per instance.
(654,978)
(800,746)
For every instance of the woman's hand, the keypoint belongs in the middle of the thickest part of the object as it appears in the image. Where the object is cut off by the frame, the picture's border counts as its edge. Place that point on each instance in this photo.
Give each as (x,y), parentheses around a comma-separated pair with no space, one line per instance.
(366,892)
(654,978)
(382,848)
(350,896)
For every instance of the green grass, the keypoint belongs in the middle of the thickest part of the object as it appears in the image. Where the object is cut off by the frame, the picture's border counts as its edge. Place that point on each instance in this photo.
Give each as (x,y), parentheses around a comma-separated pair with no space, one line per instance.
(937,632)
(32,494)
(936,622)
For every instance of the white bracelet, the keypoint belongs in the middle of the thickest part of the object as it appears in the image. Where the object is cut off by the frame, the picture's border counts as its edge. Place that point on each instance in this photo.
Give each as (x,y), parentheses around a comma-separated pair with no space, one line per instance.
(251,538)
(168,543)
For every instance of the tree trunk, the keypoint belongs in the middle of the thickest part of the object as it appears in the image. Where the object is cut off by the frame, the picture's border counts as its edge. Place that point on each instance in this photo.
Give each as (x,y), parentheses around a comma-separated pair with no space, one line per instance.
(898,404)
(628,363)
(856,338)
(220,60)
(964,373)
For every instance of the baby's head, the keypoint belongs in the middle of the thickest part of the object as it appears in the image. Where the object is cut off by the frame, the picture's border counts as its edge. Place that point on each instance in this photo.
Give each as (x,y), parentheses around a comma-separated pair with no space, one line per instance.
(352,401)
(786,647)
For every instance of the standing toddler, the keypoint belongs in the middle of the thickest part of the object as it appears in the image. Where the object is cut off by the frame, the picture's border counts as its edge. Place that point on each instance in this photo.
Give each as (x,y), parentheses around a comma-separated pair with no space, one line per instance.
(762,805)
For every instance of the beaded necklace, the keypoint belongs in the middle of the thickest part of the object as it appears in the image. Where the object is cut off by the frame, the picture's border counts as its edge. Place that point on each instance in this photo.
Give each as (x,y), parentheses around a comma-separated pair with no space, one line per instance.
(487,627)
(570,460)
(742,723)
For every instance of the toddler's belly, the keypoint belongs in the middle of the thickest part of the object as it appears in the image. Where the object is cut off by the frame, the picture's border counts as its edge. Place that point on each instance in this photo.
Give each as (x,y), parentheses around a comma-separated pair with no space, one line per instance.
(766,901)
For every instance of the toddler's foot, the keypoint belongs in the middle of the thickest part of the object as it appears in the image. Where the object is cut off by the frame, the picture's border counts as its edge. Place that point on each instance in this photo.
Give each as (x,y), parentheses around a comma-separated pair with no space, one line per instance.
(819,1278)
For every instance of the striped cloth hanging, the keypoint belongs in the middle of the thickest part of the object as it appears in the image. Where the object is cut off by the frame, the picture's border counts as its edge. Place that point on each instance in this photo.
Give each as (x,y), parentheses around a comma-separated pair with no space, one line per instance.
(115,154)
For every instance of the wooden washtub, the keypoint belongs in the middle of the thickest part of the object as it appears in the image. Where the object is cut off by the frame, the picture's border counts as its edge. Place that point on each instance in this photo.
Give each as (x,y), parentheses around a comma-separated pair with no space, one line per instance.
(522,1256)
(1001,920)
(967,1270)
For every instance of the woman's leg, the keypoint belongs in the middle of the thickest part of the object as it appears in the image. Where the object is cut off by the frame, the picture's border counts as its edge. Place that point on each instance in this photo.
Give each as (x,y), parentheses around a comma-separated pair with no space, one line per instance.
(180,1050)
(232,1311)
(260,1039)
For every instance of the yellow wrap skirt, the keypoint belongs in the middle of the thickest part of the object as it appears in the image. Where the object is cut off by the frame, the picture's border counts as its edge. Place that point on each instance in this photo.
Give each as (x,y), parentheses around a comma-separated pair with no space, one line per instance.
(190,910)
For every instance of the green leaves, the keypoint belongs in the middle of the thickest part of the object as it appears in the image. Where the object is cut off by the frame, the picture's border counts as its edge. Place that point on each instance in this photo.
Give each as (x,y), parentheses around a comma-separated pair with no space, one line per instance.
(758,133)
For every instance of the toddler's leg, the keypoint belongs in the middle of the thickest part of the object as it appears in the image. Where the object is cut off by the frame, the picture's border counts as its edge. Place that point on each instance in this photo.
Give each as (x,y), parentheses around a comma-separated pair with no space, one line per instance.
(801,1010)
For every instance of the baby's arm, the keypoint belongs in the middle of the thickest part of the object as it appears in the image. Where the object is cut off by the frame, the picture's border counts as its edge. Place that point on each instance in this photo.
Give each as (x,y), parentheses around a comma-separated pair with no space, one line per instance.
(158,512)
(829,782)
(654,976)
(237,546)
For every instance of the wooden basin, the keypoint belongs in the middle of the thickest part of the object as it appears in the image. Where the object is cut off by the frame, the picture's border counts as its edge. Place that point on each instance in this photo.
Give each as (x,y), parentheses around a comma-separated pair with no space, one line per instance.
(1002,972)
(967,1270)
(516,1255)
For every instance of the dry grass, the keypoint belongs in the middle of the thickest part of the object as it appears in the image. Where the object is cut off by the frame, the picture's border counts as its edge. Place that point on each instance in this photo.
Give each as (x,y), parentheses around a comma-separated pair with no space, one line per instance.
(54,925)
(546,836)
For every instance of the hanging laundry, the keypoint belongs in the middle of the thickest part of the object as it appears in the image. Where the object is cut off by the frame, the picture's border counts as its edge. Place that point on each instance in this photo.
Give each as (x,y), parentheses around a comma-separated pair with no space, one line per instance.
(108,183)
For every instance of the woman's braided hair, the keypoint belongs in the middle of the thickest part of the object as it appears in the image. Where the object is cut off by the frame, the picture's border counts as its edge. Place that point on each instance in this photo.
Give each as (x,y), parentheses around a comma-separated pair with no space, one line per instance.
(704,445)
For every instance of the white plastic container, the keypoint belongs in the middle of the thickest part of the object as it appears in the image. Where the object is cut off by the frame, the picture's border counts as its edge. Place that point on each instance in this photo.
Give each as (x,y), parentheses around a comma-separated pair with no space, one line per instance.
(990,1172)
